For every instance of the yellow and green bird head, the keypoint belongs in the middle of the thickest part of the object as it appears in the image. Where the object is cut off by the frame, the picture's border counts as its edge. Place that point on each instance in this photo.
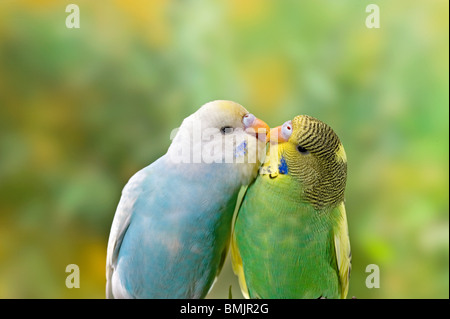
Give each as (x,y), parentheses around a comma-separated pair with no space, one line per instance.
(308,151)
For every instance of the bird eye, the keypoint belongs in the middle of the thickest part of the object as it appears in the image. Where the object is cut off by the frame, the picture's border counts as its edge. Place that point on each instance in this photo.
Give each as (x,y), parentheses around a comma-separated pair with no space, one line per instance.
(248,119)
(286,130)
(302,150)
(226,130)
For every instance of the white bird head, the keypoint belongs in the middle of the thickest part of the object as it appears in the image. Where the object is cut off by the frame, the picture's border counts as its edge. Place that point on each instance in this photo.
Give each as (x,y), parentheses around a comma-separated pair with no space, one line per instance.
(222,132)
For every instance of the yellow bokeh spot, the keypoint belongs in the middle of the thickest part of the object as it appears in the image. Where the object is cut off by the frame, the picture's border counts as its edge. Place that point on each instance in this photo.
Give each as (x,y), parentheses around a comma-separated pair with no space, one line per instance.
(267,80)
(149,17)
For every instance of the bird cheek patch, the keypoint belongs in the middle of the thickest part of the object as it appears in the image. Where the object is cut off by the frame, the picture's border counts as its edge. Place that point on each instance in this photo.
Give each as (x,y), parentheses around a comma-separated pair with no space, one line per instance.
(282,167)
(240,150)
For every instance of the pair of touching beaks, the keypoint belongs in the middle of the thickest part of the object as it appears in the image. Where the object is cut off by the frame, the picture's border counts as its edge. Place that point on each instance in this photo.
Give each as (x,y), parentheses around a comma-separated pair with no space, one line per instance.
(278,134)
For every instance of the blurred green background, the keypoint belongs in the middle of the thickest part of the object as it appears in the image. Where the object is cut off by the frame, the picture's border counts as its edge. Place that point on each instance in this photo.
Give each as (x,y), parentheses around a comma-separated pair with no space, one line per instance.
(81,110)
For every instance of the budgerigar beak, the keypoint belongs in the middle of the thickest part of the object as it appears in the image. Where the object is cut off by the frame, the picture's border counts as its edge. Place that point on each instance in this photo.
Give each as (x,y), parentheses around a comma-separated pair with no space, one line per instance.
(260,128)
(275,136)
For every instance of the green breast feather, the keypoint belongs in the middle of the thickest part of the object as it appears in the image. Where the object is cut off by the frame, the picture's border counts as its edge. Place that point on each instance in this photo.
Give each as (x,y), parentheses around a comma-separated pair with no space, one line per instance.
(287,250)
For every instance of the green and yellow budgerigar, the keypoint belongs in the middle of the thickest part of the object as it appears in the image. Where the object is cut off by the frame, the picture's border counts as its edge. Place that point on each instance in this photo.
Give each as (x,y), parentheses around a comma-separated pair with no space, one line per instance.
(290,237)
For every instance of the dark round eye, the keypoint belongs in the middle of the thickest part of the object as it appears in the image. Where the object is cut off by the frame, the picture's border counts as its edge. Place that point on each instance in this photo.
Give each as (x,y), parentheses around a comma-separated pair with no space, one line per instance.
(226,130)
(302,150)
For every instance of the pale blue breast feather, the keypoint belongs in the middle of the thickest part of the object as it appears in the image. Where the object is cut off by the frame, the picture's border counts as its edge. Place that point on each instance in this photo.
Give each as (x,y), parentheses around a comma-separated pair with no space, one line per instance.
(178,229)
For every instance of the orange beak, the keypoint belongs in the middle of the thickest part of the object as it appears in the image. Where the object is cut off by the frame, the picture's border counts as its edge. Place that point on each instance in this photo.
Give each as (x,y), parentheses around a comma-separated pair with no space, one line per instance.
(260,128)
(275,135)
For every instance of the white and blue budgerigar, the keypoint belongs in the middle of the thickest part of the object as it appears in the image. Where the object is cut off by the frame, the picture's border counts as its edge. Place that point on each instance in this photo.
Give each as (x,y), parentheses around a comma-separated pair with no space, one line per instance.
(170,233)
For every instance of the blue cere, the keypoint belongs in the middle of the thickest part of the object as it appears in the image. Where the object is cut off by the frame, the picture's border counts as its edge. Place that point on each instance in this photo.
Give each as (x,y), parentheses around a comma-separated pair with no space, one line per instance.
(282,168)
